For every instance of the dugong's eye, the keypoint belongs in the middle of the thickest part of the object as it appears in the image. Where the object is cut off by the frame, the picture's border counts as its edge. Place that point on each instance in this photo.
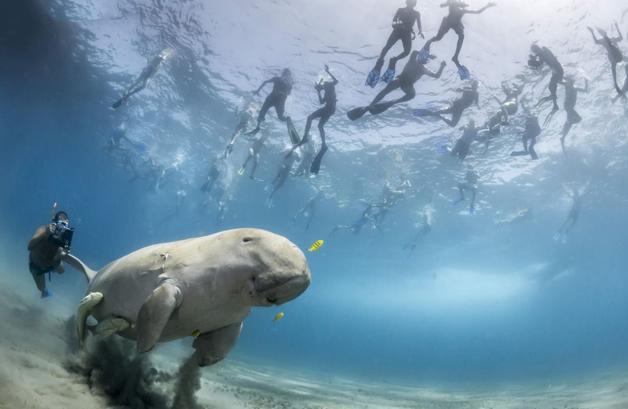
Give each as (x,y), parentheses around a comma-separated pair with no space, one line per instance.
(247,239)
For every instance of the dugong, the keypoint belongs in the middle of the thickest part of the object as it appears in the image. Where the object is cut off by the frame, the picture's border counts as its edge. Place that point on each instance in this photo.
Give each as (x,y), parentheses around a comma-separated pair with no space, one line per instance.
(202,287)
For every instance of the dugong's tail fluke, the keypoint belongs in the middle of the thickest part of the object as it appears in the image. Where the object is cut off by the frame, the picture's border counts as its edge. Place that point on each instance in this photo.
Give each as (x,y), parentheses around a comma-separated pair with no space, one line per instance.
(80,266)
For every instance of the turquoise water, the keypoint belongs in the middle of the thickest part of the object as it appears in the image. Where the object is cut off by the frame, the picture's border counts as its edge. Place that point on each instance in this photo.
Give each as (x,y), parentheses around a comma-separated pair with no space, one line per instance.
(480,300)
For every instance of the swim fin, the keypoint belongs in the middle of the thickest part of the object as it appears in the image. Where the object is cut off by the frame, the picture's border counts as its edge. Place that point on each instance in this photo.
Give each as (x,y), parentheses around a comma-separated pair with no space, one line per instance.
(389,75)
(357,113)
(520,153)
(424,55)
(379,108)
(295,138)
(316,163)
(118,103)
(464,72)
(421,112)
(373,78)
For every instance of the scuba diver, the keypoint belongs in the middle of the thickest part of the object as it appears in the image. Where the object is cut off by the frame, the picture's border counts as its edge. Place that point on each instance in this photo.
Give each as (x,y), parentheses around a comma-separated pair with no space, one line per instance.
(571,98)
(47,248)
(572,217)
(470,96)
(142,81)
(254,151)
(402,30)
(422,230)
(462,148)
(282,87)
(322,114)
(615,55)
(538,58)
(308,211)
(531,131)
(412,72)
(470,184)
(453,21)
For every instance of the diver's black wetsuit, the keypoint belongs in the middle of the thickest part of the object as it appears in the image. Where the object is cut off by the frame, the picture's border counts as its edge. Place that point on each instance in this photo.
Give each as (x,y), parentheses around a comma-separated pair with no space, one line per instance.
(282,87)
(463,145)
(403,22)
(140,83)
(571,98)
(469,97)
(412,72)
(542,56)
(453,21)
(615,55)
(528,138)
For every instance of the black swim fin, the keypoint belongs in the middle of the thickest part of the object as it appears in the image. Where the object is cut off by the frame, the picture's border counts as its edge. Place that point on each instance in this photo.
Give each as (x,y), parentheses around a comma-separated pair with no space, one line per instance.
(357,113)
(520,153)
(379,108)
(118,103)
(316,163)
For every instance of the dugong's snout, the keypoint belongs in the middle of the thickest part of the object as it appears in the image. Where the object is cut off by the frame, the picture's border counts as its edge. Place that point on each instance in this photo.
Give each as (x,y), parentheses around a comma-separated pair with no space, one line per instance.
(280,292)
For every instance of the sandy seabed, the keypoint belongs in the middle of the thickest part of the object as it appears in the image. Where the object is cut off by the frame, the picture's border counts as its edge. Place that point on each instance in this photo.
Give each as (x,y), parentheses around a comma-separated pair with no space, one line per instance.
(34,351)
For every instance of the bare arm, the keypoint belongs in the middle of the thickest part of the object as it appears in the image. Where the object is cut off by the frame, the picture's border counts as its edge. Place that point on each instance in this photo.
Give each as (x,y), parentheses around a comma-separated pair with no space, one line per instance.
(619,36)
(263,85)
(320,95)
(482,10)
(418,24)
(437,74)
(331,75)
(595,40)
(40,234)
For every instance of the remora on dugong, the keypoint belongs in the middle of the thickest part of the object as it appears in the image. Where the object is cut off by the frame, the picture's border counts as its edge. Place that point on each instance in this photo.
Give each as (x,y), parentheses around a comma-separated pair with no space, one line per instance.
(203,286)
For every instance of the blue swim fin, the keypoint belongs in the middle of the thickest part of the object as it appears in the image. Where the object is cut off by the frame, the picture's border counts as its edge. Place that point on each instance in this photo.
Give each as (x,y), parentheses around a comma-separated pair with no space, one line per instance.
(464,73)
(46,293)
(389,75)
(373,78)
(421,112)
(425,56)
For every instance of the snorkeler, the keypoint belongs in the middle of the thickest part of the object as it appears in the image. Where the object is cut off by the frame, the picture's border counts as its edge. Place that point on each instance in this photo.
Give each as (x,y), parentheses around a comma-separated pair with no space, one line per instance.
(542,56)
(572,217)
(531,131)
(243,120)
(308,211)
(47,247)
(254,151)
(453,21)
(367,216)
(212,176)
(470,96)
(322,114)
(282,87)
(412,72)
(283,173)
(402,30)
(462,148)
(422,230)
(571,98)
(142,81)
(615,55)
(470,184)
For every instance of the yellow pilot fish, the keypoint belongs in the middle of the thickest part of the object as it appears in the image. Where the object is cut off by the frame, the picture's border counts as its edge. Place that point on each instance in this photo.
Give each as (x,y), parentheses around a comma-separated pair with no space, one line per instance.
(279,316)
(316,246)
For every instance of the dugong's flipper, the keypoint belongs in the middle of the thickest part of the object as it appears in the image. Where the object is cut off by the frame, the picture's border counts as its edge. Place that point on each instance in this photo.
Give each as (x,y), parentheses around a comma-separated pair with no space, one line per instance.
(213,347)
(110,326)
(155,313)
(85,307)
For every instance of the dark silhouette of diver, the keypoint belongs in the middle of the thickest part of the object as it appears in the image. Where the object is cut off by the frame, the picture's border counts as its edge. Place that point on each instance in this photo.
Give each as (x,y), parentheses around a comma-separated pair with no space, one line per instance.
(309,210)
(254,152)
(531,131)
(538,58)
(470,184)
(282,87)
(572,217)
(402,24)
(243,119)
(507,108)
(412,72)
(369,215)
(571,98)
(615,55)
(142,81)
(323,114)
(453,21)
(282,174)
(462,148)
(423,230)
(470,96)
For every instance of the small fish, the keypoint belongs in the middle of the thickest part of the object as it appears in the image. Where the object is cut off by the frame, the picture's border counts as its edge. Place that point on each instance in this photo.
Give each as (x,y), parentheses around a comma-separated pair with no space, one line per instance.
(316,246)
(279,316)
(196,333)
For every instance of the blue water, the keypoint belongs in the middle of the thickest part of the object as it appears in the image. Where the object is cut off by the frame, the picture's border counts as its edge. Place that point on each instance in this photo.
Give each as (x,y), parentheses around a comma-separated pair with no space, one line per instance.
(478,301)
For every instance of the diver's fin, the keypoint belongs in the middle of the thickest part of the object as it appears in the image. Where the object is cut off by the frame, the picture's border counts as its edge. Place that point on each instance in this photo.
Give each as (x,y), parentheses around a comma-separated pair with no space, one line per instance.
(519,153)
(295,138)
(77,264)
(155,313)
(424,55)
(357,113)
(379,108)
(420,112)
(85,308)
(111,326)
(389,75)
(464,72)
(373,78)
(316,163)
